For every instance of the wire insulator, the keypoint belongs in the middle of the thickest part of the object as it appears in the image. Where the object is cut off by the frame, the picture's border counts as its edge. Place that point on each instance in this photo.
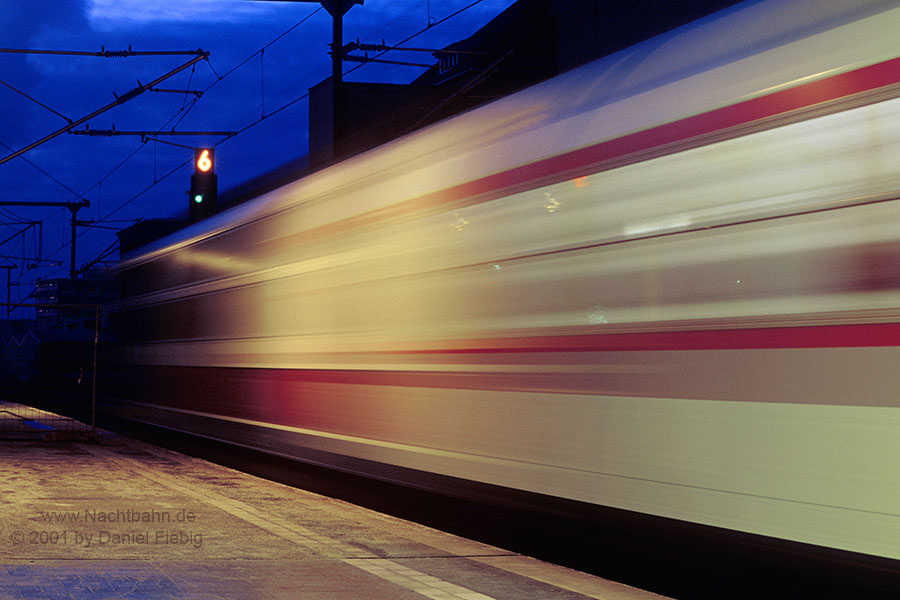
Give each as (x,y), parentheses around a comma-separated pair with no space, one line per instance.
(130,95)
(374,47)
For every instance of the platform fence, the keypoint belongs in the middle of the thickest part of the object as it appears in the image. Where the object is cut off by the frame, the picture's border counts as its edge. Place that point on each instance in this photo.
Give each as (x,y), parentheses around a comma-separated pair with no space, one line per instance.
(48,389)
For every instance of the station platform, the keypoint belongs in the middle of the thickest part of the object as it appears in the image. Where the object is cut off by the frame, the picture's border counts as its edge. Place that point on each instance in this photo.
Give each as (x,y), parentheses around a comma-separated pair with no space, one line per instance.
(119,518)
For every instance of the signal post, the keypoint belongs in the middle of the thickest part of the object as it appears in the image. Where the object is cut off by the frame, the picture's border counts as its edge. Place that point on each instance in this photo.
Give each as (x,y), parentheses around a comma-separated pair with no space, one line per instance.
(204,185)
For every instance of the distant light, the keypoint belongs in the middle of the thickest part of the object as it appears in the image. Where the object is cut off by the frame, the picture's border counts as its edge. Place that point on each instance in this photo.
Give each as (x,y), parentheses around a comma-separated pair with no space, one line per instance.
(665,225)
(552,203)
(198,198)
(597,315)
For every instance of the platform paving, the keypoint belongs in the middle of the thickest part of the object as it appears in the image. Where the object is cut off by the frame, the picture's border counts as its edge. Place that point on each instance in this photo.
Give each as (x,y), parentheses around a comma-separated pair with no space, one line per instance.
(124,519)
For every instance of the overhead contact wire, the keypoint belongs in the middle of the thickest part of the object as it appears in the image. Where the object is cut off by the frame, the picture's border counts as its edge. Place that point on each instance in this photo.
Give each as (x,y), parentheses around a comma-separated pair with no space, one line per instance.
(274,112)
(183,113)
(306,95)
(38,102)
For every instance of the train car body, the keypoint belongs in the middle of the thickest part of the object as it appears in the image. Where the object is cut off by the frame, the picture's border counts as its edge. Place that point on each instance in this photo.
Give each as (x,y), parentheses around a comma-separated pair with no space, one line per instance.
(667,282)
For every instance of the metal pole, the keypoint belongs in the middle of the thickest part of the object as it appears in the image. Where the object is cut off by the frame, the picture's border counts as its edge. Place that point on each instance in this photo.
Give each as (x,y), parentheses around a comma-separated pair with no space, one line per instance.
(94,382)
(8,268)
(337,67)
(72,206)
(337,11)
(74,210)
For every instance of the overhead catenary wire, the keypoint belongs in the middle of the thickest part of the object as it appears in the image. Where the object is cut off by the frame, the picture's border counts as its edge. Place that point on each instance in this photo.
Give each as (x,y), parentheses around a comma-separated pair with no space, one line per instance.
(194,101)
(38,102)
(291,102)
(185,109)
(420,32)
(262,81)
(263,48)
(16,219)
(394,47)
(104,53)
(119,100)
(265,116)
(43,172)
(183,112)
(17,234)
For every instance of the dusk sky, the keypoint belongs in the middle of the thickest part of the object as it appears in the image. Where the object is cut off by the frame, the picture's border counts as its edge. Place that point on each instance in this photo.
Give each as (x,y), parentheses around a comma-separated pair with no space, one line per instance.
(125,179)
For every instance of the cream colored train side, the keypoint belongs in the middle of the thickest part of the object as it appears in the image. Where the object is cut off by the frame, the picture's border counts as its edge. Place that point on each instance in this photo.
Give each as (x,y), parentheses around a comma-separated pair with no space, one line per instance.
(666,282)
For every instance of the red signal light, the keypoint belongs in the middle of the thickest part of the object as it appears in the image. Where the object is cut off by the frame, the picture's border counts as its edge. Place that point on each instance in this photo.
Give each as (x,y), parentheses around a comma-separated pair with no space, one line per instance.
(204,160)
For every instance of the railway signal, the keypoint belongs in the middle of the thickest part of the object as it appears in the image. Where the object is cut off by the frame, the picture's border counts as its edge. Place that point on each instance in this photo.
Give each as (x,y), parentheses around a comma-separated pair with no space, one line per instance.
(204,185)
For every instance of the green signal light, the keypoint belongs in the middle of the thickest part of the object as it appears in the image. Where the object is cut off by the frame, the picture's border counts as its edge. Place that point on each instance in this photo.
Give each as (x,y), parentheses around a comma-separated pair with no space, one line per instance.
(198,198)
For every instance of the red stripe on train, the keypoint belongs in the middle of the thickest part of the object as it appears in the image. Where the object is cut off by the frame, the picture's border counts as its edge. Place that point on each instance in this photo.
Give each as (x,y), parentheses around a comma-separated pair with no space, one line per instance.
(558,168)
(825,336)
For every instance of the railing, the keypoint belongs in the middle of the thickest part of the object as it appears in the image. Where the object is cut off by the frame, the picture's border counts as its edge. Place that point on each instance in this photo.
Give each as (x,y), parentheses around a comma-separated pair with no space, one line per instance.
(50,379)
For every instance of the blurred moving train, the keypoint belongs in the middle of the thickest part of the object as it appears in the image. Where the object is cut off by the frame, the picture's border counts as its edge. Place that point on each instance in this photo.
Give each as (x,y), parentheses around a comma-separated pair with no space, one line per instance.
(666,282)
